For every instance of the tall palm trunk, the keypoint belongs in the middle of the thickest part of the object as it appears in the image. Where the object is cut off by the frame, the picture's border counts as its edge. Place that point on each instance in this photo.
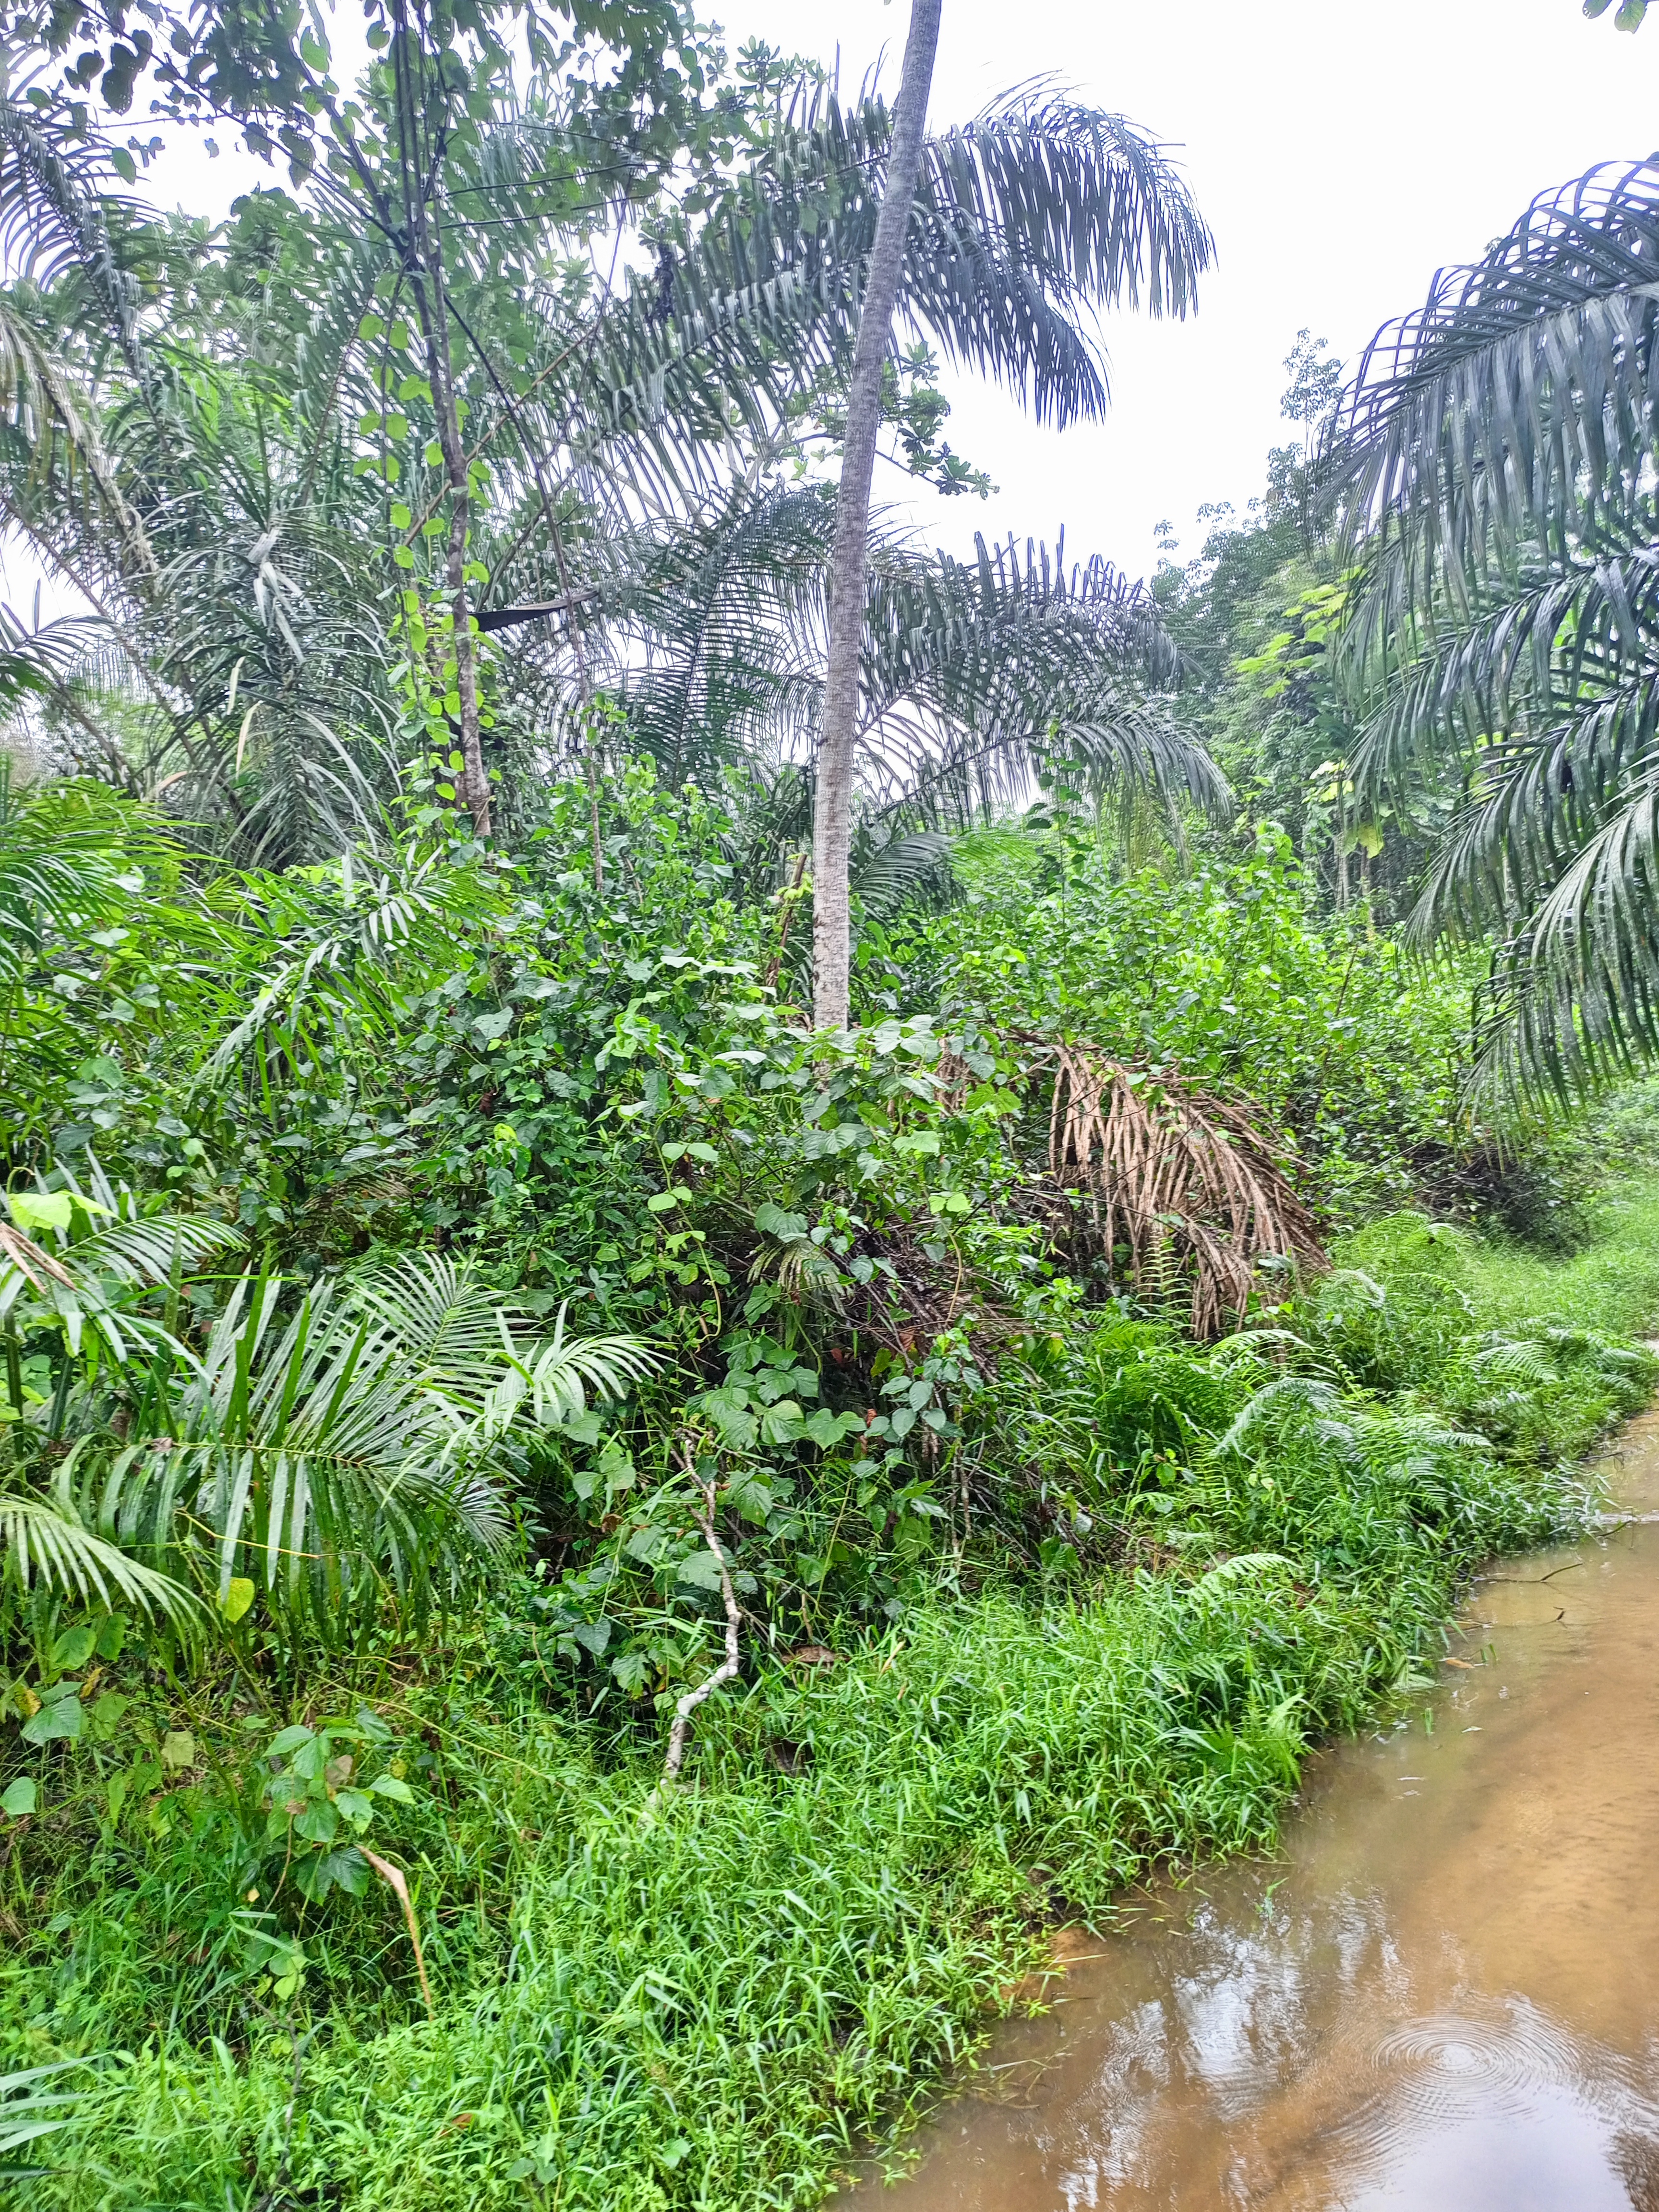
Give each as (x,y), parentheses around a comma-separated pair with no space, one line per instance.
(833,805)
(424,267)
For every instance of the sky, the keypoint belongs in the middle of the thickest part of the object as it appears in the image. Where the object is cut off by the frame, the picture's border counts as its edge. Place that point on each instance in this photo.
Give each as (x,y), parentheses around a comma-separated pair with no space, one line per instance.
(1340,154)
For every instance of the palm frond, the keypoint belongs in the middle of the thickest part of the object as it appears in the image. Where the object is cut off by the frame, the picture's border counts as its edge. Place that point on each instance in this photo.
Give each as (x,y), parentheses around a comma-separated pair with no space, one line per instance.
(53,196)
(357,1444)
(46,1545)
(974,675)
(62,857)
(1027,223)
(1190,1184)
(1499,450)
(82,1279)
(556,1376)
(1505,409)
(907,868)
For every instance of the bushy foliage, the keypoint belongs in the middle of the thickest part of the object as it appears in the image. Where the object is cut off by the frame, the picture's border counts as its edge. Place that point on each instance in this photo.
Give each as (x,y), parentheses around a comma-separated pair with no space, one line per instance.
(1228,972)
(1025,1580)
(460,1327)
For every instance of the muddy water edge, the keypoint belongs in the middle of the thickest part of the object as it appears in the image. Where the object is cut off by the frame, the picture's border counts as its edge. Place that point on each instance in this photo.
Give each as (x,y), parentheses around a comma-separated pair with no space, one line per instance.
(1443,1994)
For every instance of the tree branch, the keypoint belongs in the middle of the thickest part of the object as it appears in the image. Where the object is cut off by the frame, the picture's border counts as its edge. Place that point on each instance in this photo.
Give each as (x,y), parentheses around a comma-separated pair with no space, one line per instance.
(728,1666)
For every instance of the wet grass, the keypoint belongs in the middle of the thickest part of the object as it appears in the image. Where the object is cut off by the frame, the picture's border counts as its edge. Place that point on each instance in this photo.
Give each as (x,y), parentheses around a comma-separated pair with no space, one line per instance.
(707,2002)
(1612,1285)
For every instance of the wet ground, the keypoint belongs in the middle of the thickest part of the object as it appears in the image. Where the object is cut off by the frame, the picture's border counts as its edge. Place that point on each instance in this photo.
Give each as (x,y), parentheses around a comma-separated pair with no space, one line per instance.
(1442,1996)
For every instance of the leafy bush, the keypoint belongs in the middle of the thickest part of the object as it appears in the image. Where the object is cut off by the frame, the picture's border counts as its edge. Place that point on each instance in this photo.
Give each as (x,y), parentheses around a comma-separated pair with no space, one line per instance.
(1032,1589)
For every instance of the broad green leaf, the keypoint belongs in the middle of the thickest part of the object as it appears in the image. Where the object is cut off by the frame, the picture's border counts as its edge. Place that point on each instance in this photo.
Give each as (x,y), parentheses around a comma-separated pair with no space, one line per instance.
(826,1429)
(105,1718)
(318,1824)
(32,1210)
(61,1721)
(773,1221)
(75,1647)
(356,1805)
(701,1570)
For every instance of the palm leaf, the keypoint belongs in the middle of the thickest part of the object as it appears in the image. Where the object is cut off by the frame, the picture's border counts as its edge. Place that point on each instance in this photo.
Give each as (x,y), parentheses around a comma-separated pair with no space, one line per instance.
(47,1544)
(1498,452)
(360,1443)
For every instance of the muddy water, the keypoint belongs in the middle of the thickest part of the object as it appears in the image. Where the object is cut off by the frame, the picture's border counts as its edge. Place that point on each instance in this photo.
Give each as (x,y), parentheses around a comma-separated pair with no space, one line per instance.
(1442,1996)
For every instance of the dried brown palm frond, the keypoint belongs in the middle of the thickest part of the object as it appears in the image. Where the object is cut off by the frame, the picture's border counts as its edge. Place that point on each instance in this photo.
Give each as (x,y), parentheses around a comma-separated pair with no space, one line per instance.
(1190,1183)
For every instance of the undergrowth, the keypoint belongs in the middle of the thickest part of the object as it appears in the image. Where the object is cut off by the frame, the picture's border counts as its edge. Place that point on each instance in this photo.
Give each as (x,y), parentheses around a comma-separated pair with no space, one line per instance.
(711,1998)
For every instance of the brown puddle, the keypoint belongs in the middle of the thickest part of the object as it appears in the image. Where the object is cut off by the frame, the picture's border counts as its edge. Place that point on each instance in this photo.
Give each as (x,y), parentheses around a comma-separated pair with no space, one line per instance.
(1442,1996)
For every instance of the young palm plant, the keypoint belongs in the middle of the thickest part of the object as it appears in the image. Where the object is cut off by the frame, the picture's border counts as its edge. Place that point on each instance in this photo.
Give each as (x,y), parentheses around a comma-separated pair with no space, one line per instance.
(74,1264)
(352,1446)
(355,1445)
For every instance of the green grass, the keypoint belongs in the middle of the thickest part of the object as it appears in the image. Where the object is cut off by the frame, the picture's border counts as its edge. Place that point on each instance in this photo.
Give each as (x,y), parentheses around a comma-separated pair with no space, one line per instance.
(707,2000)
(1612,1285)
(647,2005)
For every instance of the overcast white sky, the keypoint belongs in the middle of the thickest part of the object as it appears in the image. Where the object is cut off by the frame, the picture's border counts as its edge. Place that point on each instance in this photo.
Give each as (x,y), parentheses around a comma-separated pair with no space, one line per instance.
(1340,152)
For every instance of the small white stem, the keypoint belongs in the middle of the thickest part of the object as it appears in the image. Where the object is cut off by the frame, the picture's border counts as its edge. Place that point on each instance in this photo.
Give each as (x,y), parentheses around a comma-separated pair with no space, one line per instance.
(728,1666)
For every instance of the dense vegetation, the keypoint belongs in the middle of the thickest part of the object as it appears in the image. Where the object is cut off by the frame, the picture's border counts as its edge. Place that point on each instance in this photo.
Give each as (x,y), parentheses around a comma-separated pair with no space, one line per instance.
(588,1564)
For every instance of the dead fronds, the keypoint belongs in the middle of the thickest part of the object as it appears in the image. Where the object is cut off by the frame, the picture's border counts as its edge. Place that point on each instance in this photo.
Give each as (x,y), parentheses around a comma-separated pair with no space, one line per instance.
(27,1256)
(395,1880)
(1189,1183)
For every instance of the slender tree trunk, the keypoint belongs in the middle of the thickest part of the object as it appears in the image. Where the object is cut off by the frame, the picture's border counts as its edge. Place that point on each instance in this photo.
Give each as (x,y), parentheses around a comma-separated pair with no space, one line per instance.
(440,374)
(729,1665)
(425,246)
(1341,836)
(833,801)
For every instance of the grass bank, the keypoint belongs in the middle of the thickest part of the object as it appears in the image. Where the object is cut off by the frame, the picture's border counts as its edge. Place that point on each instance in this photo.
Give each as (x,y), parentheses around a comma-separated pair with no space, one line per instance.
(643,2003)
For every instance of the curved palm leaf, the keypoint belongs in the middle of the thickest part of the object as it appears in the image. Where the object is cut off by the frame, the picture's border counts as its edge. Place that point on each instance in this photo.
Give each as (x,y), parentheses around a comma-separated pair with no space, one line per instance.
(357,1443)
(61,856)
(1026,222)
(47,1544)
(556,1376)
(1499,449)
(247,643)
(82,1282)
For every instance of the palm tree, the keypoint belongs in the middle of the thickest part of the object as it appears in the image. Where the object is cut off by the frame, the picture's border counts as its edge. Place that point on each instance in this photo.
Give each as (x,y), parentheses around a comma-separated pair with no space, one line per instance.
(279,451)
(1498,453)
(214,531)
(832,813)
(1016,224)
(1008,230)
(973,675)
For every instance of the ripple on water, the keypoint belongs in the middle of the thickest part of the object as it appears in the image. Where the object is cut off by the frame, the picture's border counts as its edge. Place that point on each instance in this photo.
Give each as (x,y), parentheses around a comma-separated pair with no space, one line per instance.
(1439,2072)
(1476,2053)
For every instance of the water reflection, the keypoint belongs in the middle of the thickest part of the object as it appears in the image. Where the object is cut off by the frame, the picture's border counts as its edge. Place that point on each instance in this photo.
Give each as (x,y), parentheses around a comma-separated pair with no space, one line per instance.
(1443,1998)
